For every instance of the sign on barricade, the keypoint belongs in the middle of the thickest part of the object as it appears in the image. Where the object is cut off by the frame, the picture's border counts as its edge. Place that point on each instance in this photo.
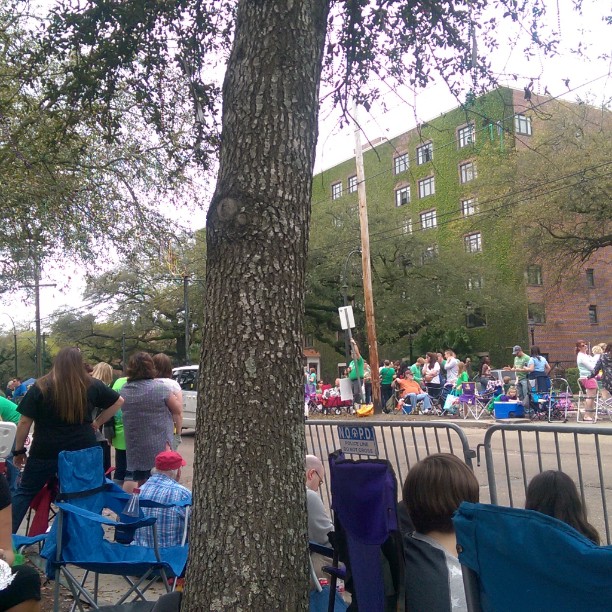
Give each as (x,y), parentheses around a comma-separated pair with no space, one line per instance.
(359,440)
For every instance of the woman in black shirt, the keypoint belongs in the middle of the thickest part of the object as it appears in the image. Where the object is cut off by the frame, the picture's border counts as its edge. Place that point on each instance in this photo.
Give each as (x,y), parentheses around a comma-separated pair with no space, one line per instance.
(62,405)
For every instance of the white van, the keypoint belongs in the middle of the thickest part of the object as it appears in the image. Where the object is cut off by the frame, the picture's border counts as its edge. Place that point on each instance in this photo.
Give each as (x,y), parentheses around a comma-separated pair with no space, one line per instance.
(187,378)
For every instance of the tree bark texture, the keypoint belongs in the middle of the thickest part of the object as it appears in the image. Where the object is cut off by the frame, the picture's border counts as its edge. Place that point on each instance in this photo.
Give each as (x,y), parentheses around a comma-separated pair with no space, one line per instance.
(248,539)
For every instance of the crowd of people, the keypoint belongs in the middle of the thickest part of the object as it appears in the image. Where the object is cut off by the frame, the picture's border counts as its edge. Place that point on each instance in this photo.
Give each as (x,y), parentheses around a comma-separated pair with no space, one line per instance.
(436,375)
(77,406)
(432,492)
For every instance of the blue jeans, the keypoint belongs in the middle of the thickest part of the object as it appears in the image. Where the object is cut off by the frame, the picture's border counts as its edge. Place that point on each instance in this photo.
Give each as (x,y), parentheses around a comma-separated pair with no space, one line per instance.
(33,479)
(413,398)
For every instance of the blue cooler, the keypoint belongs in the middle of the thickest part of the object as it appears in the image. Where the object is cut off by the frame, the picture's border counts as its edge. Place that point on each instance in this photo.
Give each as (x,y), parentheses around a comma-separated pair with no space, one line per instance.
(508,410)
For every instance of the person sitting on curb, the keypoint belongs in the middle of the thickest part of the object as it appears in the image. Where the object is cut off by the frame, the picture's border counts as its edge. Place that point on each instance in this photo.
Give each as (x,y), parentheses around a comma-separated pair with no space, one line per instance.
(163,487)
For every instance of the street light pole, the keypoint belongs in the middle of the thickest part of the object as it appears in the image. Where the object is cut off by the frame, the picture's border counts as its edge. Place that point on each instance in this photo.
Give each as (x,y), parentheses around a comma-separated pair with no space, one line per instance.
(347,334)
(14,342)
(186,278)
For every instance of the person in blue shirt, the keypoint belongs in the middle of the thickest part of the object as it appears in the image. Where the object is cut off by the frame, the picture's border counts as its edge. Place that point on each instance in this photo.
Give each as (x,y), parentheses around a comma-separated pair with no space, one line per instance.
(22,388)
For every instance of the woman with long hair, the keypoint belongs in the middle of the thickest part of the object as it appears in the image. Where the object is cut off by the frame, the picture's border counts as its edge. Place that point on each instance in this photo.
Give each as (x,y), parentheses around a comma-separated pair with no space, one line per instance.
(149,414)
(484,373)
(163,366)
(431,375)
(103,371)
(62,405)
(586,365)
(554,493)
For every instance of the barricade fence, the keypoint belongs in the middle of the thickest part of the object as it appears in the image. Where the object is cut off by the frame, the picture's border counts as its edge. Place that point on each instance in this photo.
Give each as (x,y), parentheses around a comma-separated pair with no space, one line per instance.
(402,443)
(513,453)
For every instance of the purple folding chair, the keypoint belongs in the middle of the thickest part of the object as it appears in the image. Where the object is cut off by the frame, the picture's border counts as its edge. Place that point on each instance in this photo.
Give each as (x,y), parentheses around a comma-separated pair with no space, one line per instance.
(367,538)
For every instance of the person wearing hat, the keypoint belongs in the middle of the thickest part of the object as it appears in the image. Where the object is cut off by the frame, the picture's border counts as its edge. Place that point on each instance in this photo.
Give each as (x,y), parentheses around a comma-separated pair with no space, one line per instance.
(163,487)
(521,363)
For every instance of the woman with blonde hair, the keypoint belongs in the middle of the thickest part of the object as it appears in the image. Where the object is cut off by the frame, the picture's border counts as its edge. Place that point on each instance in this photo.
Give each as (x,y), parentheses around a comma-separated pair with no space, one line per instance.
(102,371)
(63,406)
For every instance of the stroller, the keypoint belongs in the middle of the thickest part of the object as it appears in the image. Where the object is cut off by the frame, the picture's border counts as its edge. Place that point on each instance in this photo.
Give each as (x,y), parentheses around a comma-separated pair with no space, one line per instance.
(331,402)
(552,403)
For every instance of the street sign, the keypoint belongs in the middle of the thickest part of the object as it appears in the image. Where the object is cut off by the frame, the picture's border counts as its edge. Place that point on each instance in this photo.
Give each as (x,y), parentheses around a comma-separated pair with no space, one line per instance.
(347,321)
(358,440)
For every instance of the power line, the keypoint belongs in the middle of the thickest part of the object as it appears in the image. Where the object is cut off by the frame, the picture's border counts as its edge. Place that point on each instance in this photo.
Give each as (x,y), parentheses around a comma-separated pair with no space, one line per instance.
(453,142)
(453,217)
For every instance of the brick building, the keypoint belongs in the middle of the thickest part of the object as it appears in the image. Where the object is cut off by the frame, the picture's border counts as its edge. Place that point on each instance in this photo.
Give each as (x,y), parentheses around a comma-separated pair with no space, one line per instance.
(428,190)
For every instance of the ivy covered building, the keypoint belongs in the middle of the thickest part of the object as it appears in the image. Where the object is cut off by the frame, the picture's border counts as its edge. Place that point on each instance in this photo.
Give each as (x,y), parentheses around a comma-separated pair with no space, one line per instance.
(445,247)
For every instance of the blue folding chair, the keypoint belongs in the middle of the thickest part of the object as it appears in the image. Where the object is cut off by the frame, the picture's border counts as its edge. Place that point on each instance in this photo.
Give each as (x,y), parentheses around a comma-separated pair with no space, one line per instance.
(78,538)
(516,559)
(366,537)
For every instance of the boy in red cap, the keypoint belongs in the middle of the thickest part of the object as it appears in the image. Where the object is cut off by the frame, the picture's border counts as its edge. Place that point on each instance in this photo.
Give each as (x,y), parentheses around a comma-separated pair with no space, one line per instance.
(163,487)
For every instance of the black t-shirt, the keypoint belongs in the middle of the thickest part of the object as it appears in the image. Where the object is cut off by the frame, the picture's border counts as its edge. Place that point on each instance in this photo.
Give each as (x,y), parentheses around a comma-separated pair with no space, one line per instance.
(53,435)
(5,493)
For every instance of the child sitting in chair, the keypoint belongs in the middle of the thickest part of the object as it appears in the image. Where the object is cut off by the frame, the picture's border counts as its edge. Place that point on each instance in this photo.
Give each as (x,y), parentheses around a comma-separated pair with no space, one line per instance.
(510,396)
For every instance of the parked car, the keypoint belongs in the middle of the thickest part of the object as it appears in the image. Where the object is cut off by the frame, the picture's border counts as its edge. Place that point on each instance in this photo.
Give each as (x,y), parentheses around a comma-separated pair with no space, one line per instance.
(187,378)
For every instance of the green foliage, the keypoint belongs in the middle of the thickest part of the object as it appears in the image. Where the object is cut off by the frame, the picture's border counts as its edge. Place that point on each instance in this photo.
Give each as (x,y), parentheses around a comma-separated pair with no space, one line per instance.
(416,296)
(572,375)
(66,187)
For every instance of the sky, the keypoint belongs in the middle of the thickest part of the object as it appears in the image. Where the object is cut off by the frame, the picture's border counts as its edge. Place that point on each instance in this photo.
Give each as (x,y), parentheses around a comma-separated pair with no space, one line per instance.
(398,112)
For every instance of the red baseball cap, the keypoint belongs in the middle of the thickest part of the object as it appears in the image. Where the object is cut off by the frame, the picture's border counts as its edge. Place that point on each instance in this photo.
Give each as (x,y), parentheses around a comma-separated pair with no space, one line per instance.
(169,460)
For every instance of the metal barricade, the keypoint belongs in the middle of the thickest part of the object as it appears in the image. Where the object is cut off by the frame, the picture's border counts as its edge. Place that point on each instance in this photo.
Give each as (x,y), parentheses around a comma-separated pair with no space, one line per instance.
(402,443)
(514,453)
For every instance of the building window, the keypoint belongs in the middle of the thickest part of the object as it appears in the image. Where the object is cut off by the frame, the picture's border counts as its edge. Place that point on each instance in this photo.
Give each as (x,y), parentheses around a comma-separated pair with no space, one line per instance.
(429,219)
(336,222)
(473,243)
(467,172)
(590,277)
(522,125)
(400,163)
(536,314)
(475,317)
(474,283)
(424,153)
(429,254)
(466,135)
(402,196)
(352,211)
(427,187)
(593,314)
(352,184)
(336,191)
(468,207)
(534,275)
(407,226)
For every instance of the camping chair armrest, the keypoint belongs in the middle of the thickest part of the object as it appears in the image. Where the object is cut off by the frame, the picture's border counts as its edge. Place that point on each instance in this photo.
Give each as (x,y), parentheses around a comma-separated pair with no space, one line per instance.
(149,503)
(326,551)
(103,520)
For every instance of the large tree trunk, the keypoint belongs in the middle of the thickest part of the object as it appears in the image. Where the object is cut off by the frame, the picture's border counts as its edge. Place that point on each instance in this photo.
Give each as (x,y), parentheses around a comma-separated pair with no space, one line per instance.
(248,542)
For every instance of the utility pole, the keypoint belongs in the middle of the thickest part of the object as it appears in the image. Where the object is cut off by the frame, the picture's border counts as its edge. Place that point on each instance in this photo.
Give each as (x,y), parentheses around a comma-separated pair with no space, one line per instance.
(347,334)
(6,314)
(123,364)
(37,285)
(365,262)
(186,278)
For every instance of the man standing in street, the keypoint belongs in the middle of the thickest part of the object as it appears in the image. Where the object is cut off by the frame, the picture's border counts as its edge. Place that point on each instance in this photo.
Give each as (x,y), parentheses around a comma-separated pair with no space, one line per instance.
(521,360)
(387,374)
(356,372)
